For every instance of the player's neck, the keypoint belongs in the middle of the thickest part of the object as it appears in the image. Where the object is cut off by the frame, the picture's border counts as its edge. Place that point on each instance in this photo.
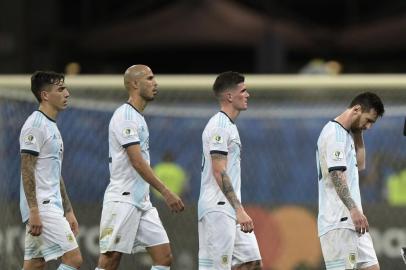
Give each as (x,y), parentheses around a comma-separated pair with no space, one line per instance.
(345,119)
(231,113)
(137,103)
(48,111)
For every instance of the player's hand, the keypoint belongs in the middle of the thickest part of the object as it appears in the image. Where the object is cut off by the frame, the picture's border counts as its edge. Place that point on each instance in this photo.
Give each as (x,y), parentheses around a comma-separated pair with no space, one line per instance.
(360,221)
(34,222)
(73,223)
(173,201)
(247,225)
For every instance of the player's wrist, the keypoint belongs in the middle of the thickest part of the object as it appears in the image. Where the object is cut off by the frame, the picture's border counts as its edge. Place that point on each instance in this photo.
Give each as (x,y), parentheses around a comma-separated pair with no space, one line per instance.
(164,191)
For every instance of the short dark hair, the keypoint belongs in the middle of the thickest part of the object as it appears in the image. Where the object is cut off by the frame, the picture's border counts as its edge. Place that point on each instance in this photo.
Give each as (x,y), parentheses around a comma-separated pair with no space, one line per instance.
(227,80)
(369,101)
(41,79)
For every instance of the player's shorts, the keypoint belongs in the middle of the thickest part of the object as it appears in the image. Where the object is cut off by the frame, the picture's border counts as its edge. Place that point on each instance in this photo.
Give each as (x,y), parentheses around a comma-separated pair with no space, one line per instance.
(346,249)
(55,240)
(126,229)
(222,244)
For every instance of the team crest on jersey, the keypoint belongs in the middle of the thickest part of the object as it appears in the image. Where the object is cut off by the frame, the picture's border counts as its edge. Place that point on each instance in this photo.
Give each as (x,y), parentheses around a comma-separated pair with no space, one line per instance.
(338,155)
(106,232)
(224,260)
(70,237)
(217,139)
(128,132)
(352,259)
(29,139)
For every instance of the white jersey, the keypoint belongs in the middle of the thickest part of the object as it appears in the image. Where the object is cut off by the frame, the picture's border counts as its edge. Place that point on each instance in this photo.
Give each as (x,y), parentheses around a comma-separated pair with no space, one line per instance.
(336,151)
(127,127)
(40,137)
(219,136)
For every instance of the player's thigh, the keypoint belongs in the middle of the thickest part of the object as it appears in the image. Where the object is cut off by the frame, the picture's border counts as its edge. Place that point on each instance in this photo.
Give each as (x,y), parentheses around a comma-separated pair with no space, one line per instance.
(339,248)
(366,253)
(55,240)
(217,233)
(151,232)
(118,227)
(246,248)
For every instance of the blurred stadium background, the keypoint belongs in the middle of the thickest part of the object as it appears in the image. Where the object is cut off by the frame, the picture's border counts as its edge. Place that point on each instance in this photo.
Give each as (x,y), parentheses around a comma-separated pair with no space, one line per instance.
(326,43)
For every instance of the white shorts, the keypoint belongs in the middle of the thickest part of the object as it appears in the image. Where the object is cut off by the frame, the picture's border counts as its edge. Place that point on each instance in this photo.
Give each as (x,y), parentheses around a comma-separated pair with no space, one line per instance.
(126,229)
(346,249)
(222,243)
(55,240)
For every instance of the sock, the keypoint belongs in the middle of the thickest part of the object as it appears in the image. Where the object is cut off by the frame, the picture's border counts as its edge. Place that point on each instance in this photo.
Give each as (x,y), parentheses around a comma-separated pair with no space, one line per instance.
(160,267)
(65,267)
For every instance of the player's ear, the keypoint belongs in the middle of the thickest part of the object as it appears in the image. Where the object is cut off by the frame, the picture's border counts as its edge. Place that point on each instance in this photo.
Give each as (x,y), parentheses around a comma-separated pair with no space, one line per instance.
(134,84)
(44,95)
(357,109)
(229,96)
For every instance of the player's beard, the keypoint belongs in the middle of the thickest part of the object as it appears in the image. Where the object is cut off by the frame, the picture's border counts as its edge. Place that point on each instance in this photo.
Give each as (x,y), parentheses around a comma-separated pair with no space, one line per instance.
(355,127)
(147,96)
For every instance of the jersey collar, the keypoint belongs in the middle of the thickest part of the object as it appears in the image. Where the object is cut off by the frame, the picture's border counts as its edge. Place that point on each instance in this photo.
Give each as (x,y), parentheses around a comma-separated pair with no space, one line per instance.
(134,108)
(227,117)
(340,125)
(49,118)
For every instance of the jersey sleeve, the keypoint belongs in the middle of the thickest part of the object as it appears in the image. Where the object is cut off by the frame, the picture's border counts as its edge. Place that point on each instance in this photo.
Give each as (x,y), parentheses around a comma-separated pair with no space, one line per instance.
(218,141)
(31,140)
(127,133)
(335,153)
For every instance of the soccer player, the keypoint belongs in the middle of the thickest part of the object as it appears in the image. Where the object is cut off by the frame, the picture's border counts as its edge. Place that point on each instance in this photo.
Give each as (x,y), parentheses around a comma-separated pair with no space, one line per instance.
(342,226)
(129,222)
(226,237)
(51,225)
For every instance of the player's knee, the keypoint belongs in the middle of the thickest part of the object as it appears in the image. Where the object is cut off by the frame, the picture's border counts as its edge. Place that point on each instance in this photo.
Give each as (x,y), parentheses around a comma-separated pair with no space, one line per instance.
(109,259)
(78,261)
(34,264)
(256,265)
(74,259)
(165,260)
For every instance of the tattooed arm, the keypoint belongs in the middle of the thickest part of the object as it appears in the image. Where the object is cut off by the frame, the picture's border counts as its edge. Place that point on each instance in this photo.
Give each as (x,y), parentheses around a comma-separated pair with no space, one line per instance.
(28,162)
(67,207)
(340,184)
(219,164)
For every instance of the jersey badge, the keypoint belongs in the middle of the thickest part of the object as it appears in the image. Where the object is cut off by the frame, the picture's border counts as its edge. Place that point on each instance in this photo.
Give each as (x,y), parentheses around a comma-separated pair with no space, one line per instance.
(338,155)
(128,132)
(217,139)
(30,139)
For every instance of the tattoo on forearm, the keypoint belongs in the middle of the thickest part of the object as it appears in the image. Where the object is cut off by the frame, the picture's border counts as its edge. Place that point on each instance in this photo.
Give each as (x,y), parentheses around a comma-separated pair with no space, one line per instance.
(28,162)
(226,186)
(228,190)
(339,182)
(67,207)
